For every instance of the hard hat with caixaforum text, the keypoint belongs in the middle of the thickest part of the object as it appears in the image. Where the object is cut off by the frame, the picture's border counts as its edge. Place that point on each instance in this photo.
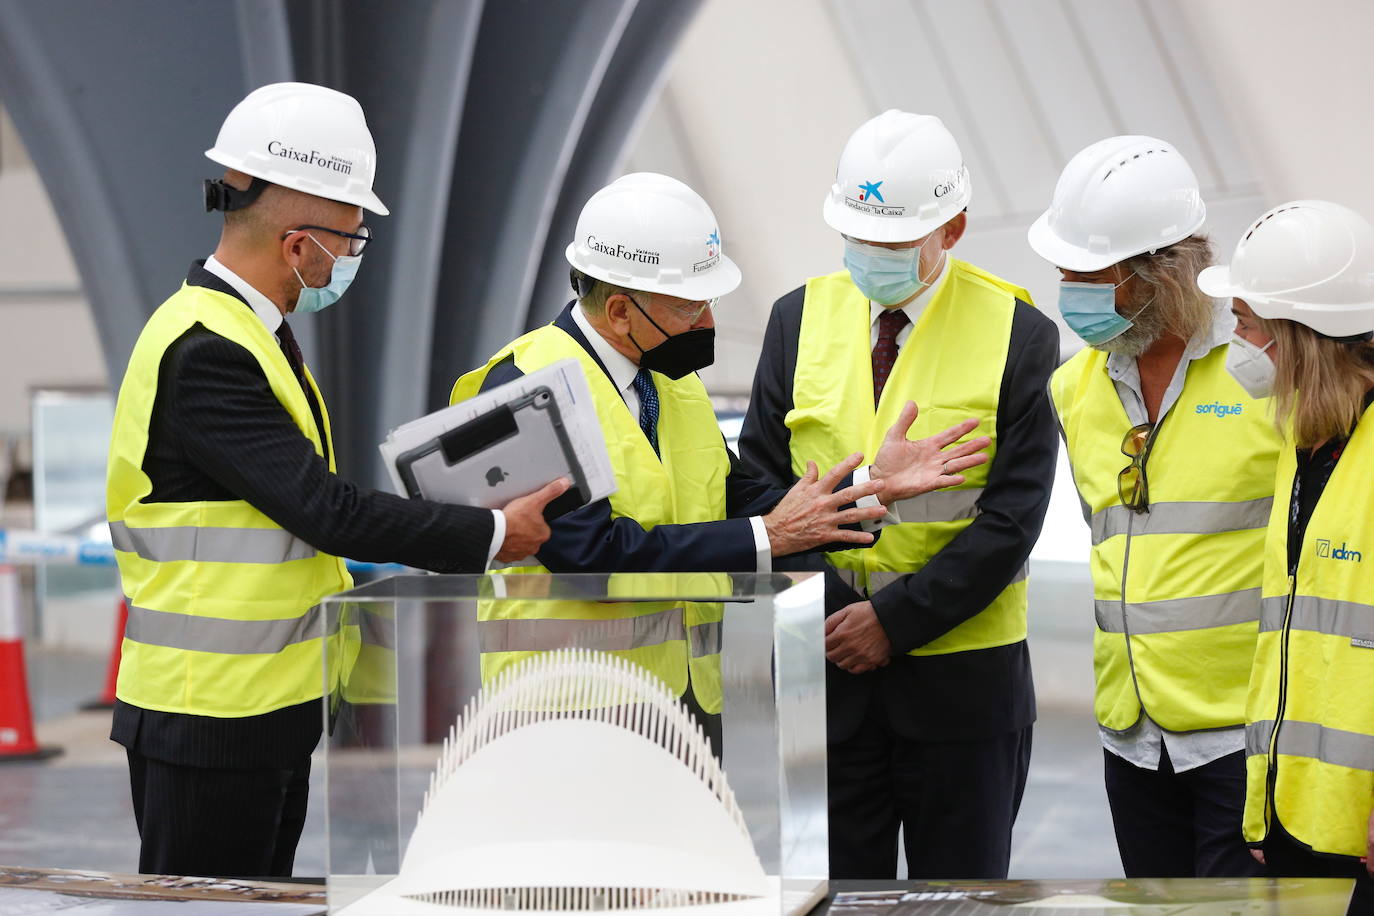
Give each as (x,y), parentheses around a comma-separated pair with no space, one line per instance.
(305,137)
(646,231)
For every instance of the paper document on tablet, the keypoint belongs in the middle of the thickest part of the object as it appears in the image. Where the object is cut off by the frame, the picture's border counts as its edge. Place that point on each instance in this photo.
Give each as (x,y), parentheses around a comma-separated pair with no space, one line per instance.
(505,442)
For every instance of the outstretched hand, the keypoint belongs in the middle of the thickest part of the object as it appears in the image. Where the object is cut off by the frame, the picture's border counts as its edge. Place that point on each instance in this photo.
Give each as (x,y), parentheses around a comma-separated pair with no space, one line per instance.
(910,467)
(810,514)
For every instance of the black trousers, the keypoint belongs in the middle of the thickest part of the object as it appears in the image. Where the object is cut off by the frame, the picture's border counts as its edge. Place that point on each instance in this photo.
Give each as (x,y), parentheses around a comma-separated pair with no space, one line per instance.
(955,801)
(217,822)
(1180,825)
(1285,857)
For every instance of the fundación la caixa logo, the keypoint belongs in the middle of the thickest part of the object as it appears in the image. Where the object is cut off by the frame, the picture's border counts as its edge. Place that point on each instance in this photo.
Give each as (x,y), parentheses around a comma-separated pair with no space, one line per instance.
(1343,552)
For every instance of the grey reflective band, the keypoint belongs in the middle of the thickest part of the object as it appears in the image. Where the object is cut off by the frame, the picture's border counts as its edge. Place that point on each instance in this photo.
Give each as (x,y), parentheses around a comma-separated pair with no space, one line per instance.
(546,634)
(939,506)
(704,639)
(1313,740)
(223,636)
(1348,619)
(1182,518)
(880,579)
(211,545)
(1200,613)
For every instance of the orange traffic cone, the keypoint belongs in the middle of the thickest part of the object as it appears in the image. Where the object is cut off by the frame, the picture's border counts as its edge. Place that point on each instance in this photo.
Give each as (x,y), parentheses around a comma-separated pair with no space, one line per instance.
(16,718)
(107,696)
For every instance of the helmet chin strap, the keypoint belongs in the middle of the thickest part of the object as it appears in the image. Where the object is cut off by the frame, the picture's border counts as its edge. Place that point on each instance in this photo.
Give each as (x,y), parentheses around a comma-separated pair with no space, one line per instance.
(222,196)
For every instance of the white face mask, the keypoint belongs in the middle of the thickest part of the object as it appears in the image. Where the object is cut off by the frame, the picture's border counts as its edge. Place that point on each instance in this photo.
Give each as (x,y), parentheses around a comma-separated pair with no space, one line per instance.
(1250,367)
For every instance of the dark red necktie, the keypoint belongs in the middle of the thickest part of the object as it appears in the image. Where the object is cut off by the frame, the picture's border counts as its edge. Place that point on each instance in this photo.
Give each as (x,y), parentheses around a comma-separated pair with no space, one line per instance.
(890,324)
(292,351)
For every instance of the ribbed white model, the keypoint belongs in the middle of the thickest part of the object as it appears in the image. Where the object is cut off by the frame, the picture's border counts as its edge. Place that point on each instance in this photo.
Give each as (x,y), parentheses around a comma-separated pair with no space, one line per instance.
(577,782)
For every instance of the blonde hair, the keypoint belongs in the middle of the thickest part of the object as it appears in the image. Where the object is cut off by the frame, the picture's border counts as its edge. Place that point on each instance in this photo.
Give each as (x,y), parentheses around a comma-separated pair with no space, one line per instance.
(1170,274)
(1319,383)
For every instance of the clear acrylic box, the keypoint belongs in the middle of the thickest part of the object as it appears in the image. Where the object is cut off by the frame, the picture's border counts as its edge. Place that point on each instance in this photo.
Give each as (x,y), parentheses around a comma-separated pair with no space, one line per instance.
(402,661)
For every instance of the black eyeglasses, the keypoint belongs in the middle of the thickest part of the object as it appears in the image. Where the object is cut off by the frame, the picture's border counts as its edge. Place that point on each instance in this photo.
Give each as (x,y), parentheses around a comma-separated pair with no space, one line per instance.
(1131,484)
(357,241)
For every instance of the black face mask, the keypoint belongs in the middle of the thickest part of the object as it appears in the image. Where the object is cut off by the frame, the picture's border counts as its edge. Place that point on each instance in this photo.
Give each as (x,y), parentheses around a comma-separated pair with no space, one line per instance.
(680,353)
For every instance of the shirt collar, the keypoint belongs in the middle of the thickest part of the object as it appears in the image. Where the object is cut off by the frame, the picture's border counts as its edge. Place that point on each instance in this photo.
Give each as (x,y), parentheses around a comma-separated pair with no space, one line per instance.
(1205,341)
(263,307)
(620,367)
(916,306)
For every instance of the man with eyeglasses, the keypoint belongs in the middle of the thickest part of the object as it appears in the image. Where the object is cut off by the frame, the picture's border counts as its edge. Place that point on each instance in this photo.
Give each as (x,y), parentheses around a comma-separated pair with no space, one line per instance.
(647,265)
(1174,462)
(227,518)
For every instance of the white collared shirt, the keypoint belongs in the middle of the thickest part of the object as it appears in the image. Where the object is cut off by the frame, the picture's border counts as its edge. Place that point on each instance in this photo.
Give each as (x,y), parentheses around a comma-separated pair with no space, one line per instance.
(262,306)
(914,309)
(622,371)
(272,317)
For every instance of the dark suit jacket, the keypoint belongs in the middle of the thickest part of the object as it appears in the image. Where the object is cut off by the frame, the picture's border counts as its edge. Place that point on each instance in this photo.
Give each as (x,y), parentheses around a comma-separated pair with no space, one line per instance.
(590,540)
(958,696)
(217,432)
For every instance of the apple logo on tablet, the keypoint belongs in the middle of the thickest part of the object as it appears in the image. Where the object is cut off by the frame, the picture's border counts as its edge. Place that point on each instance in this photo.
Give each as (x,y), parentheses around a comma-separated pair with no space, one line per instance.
(495,476)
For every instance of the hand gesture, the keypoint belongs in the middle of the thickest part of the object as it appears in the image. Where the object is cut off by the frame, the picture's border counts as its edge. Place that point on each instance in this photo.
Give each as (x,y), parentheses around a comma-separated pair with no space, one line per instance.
(912,467)
(810,515)
(526,530)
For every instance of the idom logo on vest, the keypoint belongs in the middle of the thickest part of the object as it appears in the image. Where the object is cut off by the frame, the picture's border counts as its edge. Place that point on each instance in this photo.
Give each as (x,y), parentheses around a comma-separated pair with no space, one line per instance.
(1220,410)
(1343,552)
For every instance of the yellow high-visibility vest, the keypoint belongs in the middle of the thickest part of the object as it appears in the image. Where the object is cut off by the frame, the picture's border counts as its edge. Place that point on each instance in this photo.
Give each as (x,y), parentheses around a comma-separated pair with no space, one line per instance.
(1314,665)
(951,366)
(1176,589)
(222,600)
(685,485)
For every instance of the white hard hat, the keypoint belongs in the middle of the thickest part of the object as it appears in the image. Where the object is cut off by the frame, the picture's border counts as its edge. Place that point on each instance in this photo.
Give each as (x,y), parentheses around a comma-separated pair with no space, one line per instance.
(649,232)
(901,177)
(305,137)
(1310,261)
(1118,198)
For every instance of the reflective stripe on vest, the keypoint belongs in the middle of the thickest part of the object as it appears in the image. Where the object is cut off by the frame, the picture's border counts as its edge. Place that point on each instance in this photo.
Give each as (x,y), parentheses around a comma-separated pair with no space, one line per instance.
(222,618)
(969,314)
(1175,588)
(1314,664)
(1180,614)
(211,545)
(1182,518)
(1349,619)
(618,634)
(685,485)
(1309,739)
(217,634)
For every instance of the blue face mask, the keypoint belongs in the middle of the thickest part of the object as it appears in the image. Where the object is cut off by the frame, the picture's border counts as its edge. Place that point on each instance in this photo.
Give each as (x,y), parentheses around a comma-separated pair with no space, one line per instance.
(1089,309)
(884,275)
(316,298)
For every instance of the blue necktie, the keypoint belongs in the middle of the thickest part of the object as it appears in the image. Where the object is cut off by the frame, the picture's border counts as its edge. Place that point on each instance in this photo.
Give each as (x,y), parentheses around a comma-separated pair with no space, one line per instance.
(648,406)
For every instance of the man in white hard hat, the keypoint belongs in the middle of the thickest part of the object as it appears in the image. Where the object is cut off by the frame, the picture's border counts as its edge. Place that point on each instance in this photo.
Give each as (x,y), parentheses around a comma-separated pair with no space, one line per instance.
(1174,464)
(647,266)
(929,693)
(228,520)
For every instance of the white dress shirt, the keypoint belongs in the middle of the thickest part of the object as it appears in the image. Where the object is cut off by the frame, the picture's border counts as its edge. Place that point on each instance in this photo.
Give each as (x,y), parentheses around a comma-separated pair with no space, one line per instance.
(623,371)
(271,316)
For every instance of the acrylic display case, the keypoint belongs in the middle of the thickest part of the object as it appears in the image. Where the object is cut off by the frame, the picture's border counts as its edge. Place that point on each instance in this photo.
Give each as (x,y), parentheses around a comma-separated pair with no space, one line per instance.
(403,659)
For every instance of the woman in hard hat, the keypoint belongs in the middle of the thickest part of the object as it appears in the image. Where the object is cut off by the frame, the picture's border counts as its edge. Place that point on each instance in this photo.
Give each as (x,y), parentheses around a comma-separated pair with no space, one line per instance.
(1174,464)
(1302,286)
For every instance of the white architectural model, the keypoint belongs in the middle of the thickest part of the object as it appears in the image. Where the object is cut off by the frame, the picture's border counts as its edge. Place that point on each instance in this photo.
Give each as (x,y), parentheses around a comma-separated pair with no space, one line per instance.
(576,781)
